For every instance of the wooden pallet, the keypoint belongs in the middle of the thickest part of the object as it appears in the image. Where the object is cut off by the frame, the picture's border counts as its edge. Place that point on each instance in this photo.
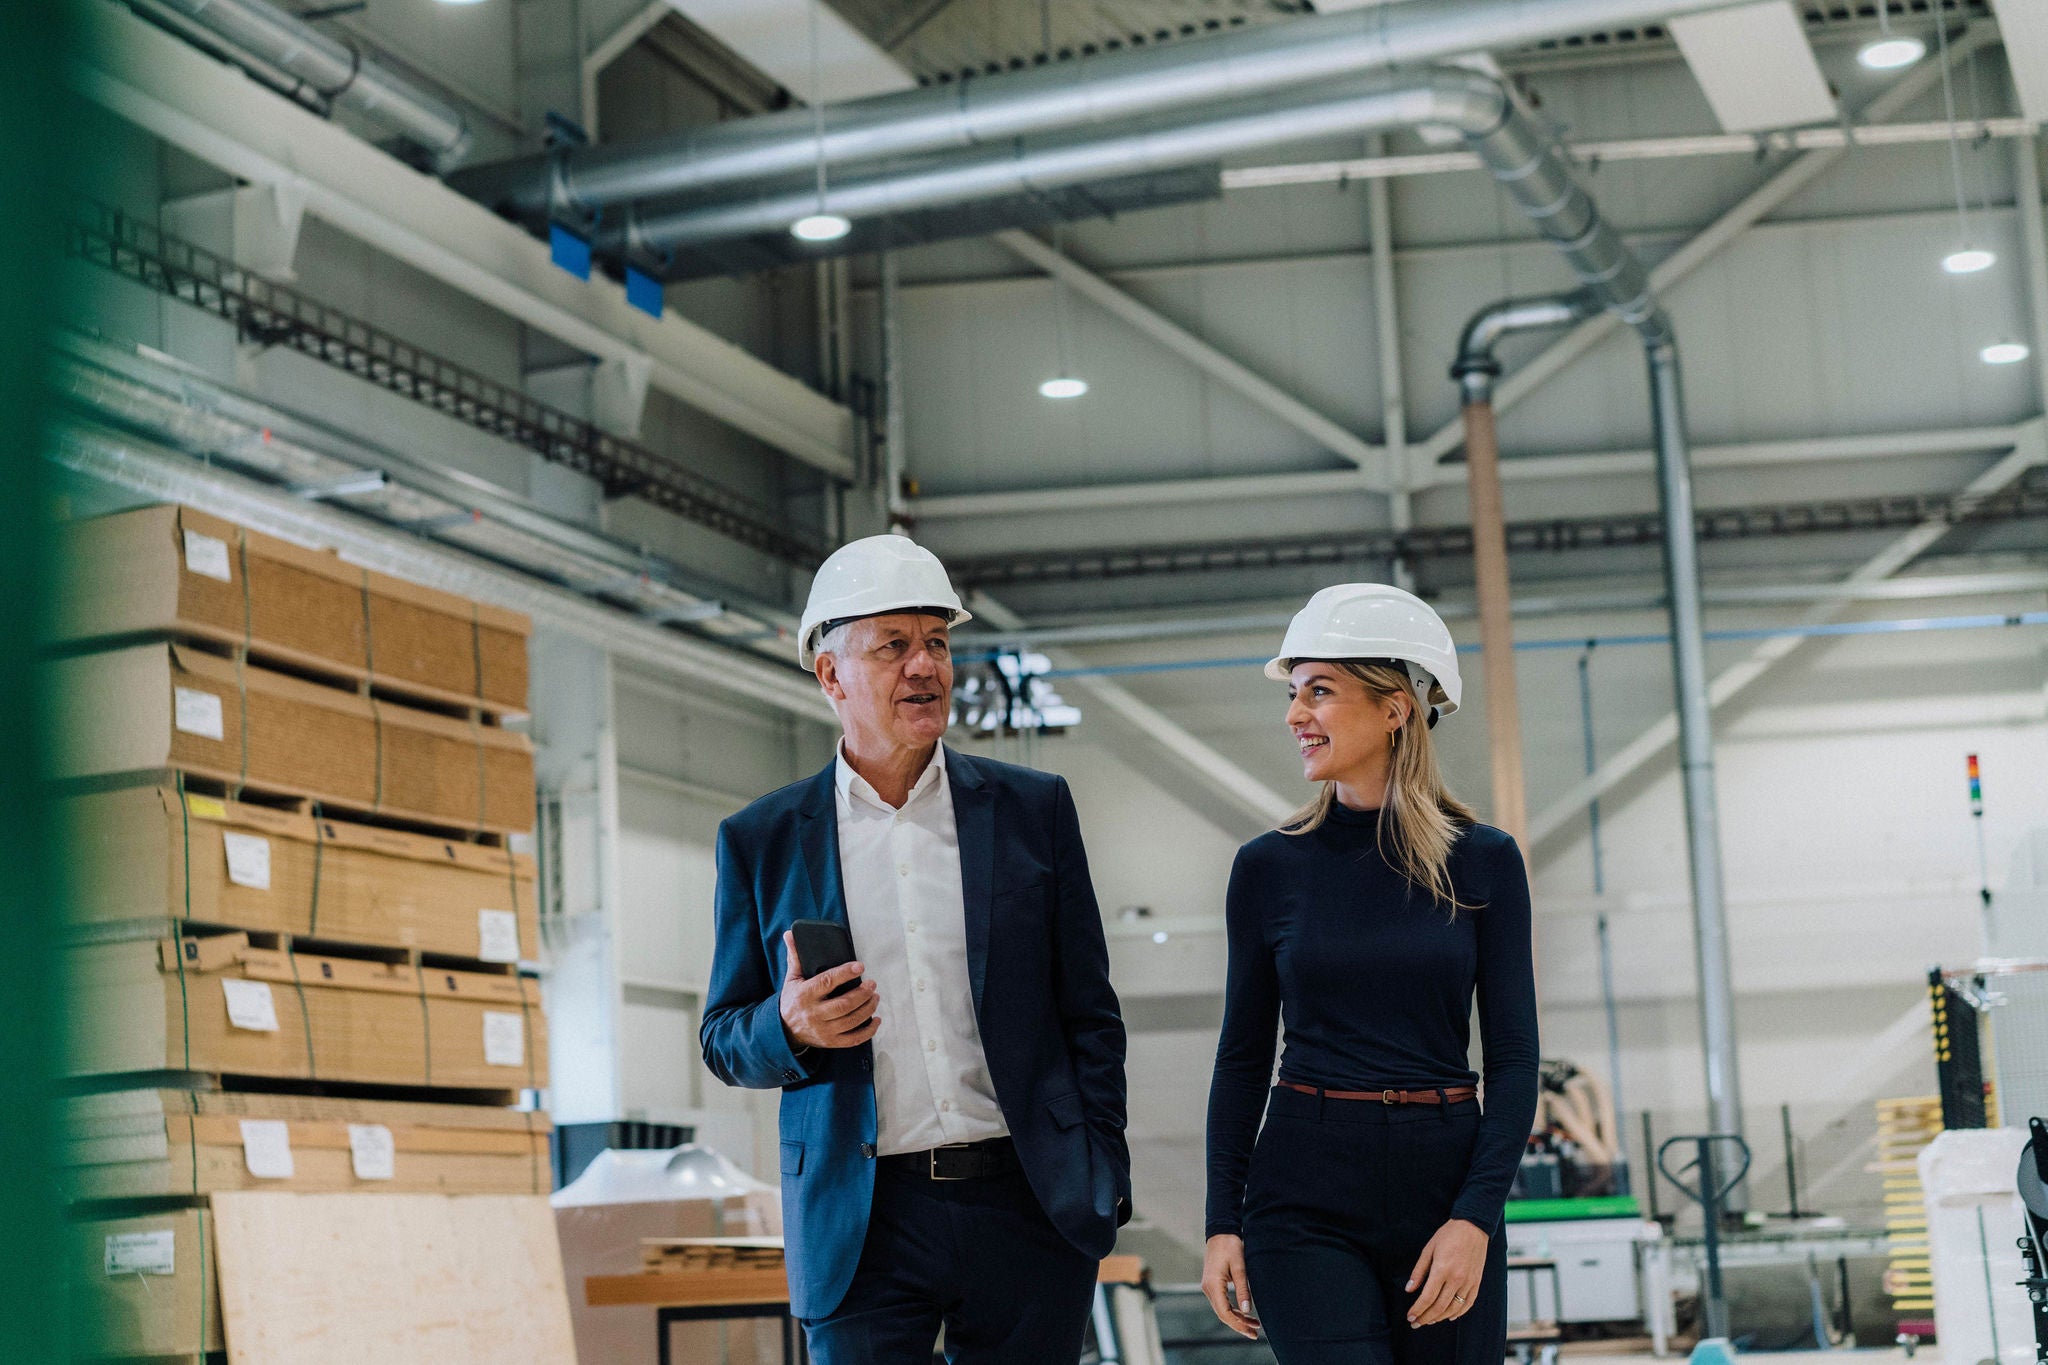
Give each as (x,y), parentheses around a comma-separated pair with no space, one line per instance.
(219,1081)
(331,673)
(227,786)
(420,959)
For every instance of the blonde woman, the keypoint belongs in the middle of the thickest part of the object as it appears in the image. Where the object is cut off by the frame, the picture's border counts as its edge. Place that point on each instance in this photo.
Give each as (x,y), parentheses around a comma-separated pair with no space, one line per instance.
(1363,1227)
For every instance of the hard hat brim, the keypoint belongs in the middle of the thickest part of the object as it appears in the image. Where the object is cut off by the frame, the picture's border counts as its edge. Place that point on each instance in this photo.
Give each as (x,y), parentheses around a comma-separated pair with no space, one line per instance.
(809,651)
(1280,667)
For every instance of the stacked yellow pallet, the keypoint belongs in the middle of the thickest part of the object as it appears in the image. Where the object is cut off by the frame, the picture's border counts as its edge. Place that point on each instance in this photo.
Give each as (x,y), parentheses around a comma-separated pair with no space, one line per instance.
(1904,1127)
(290,799)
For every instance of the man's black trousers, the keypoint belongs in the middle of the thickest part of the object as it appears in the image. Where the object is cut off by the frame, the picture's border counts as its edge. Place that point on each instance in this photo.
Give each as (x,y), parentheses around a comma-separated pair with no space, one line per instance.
(976,1256)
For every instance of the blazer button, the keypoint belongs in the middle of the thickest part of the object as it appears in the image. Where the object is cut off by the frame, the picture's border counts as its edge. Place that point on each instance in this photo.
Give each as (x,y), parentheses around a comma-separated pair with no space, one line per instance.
(867,1149)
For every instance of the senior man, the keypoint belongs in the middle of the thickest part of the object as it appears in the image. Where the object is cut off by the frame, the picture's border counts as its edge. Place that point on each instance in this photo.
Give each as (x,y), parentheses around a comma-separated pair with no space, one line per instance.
(952,1126)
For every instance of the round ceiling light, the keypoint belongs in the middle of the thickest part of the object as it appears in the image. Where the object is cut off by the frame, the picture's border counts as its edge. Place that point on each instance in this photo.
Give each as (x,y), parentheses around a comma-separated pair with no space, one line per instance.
(1968,261)
(2004,353)
(820,227)
(1065,386)
(1889,54)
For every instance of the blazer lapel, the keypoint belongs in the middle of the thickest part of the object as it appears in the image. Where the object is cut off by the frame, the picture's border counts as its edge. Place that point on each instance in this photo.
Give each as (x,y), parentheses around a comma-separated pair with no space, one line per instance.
(974,820)
(819,833)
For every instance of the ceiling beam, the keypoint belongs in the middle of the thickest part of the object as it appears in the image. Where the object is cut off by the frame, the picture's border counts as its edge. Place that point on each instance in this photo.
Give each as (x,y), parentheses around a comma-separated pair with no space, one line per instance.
(1325,483)
(1205,357)
(1834,137)
(217,114)
(2030,451)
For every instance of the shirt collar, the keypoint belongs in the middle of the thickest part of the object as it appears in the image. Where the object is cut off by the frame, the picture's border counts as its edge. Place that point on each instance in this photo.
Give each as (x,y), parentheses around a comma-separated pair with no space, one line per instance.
(852,785)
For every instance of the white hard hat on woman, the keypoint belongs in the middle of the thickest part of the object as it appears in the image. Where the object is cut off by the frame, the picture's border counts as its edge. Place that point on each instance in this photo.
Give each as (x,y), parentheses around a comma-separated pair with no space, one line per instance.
(871,577)
(1365,621)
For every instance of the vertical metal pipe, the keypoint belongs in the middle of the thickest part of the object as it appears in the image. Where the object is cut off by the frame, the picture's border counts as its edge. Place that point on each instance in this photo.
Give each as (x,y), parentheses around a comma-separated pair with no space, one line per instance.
(1791,1160)
(1496,619)
(1386,309)
(1593,806)
(1621,1169)
(2026,152)
(894,449)
(1695,741)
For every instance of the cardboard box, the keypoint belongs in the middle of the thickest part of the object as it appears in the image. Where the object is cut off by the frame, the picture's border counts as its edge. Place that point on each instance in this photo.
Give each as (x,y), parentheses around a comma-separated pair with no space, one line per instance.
(150,1143)
(219,1005)
(152,707)
(144,1285)
(147,852)
(174,571)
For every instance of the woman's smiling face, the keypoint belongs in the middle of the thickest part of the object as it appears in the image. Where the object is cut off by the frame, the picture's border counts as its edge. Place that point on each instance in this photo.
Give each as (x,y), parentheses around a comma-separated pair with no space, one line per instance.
(1340,725)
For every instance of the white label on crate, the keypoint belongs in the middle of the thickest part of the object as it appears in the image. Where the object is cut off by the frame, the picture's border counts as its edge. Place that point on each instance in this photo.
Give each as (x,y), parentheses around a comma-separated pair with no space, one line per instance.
(248,859)
(267,1148)
(208,555)
(372,1151)
(197,713)
(504,1039)
(143,1253)
(497,935)
(250,1004)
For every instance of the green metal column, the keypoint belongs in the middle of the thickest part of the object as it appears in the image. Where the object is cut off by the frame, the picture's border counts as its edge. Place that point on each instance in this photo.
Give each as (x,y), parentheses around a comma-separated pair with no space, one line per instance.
(36,129)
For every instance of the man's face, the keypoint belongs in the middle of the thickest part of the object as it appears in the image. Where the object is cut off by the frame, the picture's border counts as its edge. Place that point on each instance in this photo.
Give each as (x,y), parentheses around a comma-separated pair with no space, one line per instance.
(890,679)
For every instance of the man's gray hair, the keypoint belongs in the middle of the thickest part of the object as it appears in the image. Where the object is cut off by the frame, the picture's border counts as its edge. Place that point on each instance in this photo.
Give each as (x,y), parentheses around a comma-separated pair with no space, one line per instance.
(834,640)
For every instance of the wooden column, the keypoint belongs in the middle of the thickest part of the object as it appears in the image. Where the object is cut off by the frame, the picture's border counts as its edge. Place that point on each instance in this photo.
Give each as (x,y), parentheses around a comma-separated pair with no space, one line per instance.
(1496,621)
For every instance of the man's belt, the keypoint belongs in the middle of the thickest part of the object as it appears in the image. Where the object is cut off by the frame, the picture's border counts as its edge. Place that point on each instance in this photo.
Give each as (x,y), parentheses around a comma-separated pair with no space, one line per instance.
(960,1161)
(1454,1094)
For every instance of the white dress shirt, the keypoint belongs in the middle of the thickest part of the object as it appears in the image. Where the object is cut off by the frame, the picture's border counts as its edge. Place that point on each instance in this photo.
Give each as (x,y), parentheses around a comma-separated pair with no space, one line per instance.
(900,870)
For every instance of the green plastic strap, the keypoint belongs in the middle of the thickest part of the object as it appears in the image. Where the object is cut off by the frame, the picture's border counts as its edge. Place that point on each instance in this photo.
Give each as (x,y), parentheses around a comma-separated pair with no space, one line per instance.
(319,861)
(419,976)
(512,879)
(526,1023)
(242,663)
(178,935)
(305,1016)
(476,738)
(207,1280)
(476,647)
(369,685)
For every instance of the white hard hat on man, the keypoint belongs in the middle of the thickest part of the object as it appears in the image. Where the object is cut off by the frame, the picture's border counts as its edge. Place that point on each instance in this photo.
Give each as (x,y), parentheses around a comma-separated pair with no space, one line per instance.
(1365,621)
(875,576)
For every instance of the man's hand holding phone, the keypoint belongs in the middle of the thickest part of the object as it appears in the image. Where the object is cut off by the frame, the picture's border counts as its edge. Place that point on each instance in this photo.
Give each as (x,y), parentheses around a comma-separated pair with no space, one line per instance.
(815,1017)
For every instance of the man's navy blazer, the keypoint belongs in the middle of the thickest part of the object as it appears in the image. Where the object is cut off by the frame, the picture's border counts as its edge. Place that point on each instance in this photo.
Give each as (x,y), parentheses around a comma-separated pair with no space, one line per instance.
(1039,972)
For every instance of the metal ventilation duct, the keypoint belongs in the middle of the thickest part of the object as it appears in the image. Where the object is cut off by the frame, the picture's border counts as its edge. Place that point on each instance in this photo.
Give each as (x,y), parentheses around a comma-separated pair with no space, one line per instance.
(331,69)
(1100,92)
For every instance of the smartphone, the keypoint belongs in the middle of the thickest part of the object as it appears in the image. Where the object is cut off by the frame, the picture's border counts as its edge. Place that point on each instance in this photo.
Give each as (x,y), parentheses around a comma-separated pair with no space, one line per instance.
(821,945)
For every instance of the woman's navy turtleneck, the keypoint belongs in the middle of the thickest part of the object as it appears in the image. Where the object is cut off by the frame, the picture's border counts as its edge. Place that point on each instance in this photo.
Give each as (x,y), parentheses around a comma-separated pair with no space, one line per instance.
(1376,981)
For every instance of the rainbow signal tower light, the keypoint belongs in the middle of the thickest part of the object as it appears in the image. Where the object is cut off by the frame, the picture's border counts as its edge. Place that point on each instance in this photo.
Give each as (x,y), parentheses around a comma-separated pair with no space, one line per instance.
(1976,789)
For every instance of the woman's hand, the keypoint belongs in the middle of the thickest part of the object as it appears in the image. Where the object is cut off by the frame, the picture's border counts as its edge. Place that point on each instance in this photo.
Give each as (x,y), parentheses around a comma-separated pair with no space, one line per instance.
(1445,1280)
(1223,1271)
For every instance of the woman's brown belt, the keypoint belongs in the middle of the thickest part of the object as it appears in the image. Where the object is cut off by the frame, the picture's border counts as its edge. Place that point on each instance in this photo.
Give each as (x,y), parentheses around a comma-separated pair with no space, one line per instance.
(1448,1095)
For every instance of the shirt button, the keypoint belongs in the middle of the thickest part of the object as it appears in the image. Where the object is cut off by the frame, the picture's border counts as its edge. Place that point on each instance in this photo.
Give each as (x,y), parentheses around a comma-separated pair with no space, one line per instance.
(903,869)
(867,1149)
(910,926)
(946,1106)
(930,1046)
(920,983)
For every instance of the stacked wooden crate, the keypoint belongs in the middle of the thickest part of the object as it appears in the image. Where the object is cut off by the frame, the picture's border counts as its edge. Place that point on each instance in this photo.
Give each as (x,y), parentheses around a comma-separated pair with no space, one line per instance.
(290,795)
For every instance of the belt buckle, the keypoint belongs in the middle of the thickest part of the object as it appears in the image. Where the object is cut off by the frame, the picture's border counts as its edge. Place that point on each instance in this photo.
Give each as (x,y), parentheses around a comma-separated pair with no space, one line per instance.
(933,1154)
(1387,1097)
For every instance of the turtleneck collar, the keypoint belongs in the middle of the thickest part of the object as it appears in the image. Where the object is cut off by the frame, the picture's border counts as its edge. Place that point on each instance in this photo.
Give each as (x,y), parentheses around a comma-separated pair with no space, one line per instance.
(1341,814)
